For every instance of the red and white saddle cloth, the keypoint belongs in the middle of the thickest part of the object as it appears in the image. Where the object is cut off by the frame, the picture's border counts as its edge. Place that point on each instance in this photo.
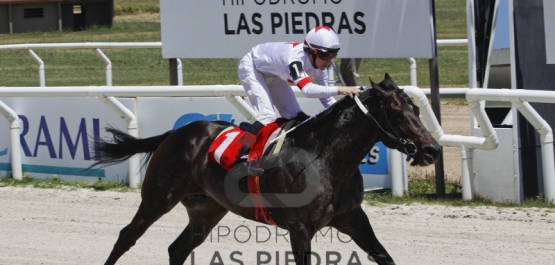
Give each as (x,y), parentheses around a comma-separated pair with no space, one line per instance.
(226,148)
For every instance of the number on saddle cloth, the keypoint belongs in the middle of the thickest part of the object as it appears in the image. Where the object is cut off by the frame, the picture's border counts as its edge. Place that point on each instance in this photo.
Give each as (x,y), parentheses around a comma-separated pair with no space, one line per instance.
(225,149)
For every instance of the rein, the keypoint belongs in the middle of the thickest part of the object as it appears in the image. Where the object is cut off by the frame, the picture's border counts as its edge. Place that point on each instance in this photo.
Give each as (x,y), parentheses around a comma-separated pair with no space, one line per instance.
(410,147)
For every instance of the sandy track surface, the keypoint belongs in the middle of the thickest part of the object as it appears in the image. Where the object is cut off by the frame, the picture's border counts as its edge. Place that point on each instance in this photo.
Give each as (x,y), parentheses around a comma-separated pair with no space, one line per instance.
(455,120)
(44,226)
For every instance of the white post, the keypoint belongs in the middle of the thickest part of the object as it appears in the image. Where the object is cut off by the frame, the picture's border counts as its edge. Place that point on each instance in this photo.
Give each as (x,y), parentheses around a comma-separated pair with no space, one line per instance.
(179,72)
(466,151)
(396,170)
(413,82)
(15,131)
(132,129)
(15,143)
(42,81)
(467,173)
(128,116)
(471,31)
(412,70)
(134,161)
(243,107)
(108,64)
(548,168)
(546,135)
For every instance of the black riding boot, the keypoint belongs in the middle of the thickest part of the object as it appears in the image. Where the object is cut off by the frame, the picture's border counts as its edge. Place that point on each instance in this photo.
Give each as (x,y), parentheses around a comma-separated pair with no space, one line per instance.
(252,170)
(301,116)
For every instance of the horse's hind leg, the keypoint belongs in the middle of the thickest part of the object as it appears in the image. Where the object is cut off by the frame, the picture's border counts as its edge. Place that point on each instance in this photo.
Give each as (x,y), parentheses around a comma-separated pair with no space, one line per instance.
(357,226)
(204,213)
(150,210)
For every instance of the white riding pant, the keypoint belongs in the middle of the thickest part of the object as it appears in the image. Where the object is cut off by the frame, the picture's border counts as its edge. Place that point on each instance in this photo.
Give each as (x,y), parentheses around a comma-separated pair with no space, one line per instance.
(266,91)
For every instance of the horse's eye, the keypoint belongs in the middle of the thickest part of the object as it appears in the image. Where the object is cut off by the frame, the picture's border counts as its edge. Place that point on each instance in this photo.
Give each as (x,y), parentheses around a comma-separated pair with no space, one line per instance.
(399,116)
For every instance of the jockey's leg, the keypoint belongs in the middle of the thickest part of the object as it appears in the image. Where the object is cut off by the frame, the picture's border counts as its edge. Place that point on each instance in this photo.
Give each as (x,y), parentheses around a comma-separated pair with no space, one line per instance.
(256,86)
(252,169)
(283,98)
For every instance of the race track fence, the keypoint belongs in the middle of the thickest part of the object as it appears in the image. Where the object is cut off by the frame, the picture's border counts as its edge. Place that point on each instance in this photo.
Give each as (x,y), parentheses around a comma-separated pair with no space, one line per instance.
(518,98)
(127,115)
(233,93)
(97,46)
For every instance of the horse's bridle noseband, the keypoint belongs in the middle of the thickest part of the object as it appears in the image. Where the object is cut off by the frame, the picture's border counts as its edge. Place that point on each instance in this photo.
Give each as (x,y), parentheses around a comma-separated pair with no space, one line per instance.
(409,146)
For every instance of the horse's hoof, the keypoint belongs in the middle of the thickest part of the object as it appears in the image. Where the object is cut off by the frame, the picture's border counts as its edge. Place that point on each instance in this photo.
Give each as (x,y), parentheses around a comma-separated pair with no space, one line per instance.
(381,259)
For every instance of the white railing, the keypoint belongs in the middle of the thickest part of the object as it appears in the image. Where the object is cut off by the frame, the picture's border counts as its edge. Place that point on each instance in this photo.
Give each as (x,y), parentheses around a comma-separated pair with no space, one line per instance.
(467,144)
(519,98)
(97,46)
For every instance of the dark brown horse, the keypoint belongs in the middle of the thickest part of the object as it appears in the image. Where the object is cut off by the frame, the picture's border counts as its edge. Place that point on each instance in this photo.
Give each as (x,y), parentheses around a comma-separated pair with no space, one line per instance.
(319,160)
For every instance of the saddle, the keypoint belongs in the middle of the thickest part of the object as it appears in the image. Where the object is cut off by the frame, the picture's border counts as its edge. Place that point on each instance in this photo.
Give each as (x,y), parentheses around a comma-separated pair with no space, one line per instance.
(226,151)
(226,148)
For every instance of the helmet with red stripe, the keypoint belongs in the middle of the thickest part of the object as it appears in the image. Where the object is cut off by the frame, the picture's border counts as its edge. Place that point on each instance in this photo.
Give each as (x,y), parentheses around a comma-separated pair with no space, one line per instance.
(322,39)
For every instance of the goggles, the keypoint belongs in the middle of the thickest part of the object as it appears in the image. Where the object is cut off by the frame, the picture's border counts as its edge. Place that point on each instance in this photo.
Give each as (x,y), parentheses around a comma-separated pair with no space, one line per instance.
(325,55)
(321,54)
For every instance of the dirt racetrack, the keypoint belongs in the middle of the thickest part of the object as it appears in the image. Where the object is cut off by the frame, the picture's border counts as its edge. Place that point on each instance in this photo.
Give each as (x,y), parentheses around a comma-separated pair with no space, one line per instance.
(44,226)
(455,119)
(39,226)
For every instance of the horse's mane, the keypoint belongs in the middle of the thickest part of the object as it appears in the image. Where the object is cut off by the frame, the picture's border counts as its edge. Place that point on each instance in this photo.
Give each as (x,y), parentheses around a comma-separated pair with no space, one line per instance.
(336,109)
(328,119)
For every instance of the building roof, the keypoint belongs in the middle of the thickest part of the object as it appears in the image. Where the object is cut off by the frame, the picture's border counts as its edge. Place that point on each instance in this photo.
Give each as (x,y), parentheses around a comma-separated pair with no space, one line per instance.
(27,1)
(5,2)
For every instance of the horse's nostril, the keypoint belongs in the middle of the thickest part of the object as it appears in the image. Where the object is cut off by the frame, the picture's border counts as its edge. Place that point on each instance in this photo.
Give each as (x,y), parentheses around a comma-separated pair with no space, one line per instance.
(432,151)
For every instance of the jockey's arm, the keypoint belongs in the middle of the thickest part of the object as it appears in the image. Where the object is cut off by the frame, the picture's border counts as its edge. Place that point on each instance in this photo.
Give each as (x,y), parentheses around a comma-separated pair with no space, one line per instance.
(321,89)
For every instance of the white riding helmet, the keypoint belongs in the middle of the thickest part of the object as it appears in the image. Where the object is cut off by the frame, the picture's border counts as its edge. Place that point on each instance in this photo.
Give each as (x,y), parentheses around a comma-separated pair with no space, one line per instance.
(323,39)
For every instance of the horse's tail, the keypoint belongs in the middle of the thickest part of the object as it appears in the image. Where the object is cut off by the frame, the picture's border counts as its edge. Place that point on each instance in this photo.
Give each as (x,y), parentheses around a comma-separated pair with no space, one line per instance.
(122,146)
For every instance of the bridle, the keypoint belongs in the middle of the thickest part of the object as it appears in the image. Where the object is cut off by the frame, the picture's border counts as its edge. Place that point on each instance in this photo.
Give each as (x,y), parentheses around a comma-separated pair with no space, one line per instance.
(409,146)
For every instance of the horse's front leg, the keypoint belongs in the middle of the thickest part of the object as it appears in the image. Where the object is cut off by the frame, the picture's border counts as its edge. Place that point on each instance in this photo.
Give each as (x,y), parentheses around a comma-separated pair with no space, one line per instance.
(301,236)
(357,226)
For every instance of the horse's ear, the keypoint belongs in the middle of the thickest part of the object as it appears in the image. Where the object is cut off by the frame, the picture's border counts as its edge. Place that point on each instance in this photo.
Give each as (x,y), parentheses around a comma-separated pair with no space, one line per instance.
(387,77)
(372,84)
(378,90)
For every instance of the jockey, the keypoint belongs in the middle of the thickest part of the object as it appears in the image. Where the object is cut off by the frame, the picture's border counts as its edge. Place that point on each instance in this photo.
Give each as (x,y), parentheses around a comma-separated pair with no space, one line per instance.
(267,69)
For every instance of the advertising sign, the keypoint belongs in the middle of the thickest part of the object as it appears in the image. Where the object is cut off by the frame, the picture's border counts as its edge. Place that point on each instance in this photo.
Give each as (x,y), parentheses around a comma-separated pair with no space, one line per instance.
(56,137)
(230,28)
